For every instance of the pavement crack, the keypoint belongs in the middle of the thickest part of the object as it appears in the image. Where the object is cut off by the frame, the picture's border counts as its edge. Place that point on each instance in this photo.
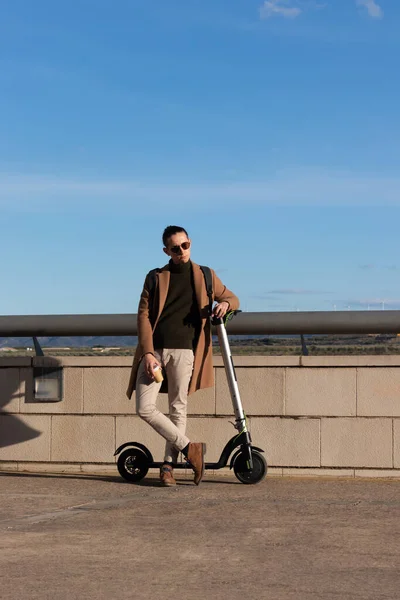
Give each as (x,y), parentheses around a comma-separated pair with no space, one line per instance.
(68,511)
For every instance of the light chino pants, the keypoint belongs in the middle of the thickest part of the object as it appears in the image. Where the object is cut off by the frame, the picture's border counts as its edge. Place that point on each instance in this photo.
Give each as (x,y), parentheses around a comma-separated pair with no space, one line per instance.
(178,365)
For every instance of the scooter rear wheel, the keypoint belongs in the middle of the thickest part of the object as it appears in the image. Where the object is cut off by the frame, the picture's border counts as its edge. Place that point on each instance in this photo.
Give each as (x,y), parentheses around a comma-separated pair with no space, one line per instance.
(258,472)
(133,464)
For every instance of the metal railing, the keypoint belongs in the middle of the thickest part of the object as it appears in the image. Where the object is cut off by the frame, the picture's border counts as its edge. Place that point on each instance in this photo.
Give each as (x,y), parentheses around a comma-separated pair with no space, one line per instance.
(245,323)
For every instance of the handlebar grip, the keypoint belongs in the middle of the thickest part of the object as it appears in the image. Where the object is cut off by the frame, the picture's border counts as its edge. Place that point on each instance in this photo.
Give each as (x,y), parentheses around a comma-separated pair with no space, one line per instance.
(217,321)
(221,320)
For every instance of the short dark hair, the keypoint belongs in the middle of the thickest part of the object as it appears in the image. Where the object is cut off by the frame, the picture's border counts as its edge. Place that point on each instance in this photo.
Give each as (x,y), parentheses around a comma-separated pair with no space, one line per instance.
(172,230)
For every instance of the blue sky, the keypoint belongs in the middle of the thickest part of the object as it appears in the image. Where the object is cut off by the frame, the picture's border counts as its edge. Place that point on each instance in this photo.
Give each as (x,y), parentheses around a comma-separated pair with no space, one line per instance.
(269,130)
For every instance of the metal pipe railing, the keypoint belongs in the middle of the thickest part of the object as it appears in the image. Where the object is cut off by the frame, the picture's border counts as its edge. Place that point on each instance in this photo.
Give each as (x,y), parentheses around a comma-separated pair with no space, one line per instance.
(254,323)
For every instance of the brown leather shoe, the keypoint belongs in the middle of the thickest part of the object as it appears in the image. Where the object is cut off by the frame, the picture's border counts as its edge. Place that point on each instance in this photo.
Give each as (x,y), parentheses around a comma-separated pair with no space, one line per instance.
(167,476)
(196,452)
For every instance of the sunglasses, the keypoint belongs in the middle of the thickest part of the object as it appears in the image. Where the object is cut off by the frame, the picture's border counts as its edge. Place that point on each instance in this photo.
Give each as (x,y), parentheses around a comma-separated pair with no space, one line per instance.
(177,249)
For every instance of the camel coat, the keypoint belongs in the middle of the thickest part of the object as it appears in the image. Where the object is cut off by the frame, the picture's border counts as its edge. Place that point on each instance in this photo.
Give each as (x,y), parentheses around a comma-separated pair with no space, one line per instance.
(149,313)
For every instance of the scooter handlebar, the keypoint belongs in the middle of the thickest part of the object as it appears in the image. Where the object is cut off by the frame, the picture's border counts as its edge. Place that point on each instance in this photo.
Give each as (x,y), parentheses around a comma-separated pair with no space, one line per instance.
(217,321)
(222,320)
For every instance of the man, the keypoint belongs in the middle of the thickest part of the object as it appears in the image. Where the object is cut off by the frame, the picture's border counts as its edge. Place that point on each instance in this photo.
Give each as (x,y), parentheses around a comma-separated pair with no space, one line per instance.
(174,332)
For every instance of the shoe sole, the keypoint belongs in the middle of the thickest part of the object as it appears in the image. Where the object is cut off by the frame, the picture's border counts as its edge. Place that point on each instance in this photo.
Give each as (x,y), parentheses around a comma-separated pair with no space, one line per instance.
(204,448)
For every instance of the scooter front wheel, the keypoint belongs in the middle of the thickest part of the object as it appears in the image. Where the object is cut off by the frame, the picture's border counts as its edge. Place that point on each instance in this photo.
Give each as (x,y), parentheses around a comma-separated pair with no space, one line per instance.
(258,472)
(133,464)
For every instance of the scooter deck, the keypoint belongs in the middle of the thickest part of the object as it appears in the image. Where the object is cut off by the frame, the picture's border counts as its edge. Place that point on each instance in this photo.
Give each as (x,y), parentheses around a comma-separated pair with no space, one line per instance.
(184,465)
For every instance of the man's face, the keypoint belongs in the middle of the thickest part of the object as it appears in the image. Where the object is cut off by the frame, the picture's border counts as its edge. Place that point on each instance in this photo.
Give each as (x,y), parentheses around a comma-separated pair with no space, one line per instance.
(174,248)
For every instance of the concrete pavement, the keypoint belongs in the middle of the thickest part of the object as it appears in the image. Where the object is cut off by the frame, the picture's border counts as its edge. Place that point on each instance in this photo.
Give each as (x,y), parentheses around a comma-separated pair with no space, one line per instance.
(78,536)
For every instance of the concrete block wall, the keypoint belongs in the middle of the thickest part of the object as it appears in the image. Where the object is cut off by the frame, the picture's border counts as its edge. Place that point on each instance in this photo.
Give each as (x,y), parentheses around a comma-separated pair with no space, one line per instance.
(335,416)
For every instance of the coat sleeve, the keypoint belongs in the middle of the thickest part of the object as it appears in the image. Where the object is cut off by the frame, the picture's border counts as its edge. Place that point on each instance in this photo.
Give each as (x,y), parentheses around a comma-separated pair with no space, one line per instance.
(144,328)
(222,294)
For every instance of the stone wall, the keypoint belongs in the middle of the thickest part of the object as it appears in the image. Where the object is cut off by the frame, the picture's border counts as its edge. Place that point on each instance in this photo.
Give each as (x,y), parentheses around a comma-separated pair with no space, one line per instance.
(335,416)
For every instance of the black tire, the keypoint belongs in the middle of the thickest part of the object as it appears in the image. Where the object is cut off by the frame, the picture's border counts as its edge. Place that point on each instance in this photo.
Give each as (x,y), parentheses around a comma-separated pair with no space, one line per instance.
(258,472)
(133,464)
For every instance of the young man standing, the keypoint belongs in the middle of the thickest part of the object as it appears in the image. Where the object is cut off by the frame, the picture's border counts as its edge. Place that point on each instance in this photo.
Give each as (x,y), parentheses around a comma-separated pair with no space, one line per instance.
(174,332)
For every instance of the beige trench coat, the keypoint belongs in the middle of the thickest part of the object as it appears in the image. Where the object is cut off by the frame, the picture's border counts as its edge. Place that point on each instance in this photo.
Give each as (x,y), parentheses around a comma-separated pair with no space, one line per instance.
(202,376)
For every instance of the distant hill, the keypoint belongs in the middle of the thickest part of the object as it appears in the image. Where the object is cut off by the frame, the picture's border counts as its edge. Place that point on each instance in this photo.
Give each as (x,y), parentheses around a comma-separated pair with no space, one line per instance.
(127,341)
(235,340)
(240,344)
(70,342)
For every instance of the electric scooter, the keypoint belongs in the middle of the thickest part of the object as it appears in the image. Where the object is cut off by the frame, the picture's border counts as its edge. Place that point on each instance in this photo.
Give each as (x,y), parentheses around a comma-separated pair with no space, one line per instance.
(247,461)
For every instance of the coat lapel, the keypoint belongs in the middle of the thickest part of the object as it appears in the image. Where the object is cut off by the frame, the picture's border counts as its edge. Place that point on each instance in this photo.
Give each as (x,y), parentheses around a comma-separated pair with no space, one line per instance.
(163,284)
(200,289)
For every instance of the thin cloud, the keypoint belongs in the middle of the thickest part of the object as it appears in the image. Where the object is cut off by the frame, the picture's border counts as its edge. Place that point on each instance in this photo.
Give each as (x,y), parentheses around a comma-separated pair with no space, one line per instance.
(291,9)
(279,8)
(294,291)
(219,271)
(370,267)
(264,298)
(294,187)
(372,7)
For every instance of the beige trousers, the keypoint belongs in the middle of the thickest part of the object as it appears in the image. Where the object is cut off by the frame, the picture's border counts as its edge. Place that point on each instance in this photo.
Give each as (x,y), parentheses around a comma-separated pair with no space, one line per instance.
(178,365)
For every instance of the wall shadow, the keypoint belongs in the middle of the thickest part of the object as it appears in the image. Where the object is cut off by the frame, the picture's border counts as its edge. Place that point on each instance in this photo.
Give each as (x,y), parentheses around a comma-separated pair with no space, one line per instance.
(13,429)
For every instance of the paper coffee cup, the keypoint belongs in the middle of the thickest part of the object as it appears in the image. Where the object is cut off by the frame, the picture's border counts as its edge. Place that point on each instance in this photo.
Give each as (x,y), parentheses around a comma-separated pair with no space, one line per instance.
(158,376)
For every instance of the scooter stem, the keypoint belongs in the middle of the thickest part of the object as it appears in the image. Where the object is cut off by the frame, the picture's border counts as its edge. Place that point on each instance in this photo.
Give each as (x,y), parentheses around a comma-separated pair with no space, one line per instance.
(240,423)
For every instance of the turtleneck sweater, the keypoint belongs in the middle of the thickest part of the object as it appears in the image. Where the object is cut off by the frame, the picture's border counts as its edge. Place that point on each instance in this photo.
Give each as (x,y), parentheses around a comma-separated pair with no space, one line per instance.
(179,323)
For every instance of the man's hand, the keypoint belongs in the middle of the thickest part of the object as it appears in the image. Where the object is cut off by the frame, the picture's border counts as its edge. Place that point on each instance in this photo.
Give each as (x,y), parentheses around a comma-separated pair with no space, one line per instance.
(220,310)
(150,362)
